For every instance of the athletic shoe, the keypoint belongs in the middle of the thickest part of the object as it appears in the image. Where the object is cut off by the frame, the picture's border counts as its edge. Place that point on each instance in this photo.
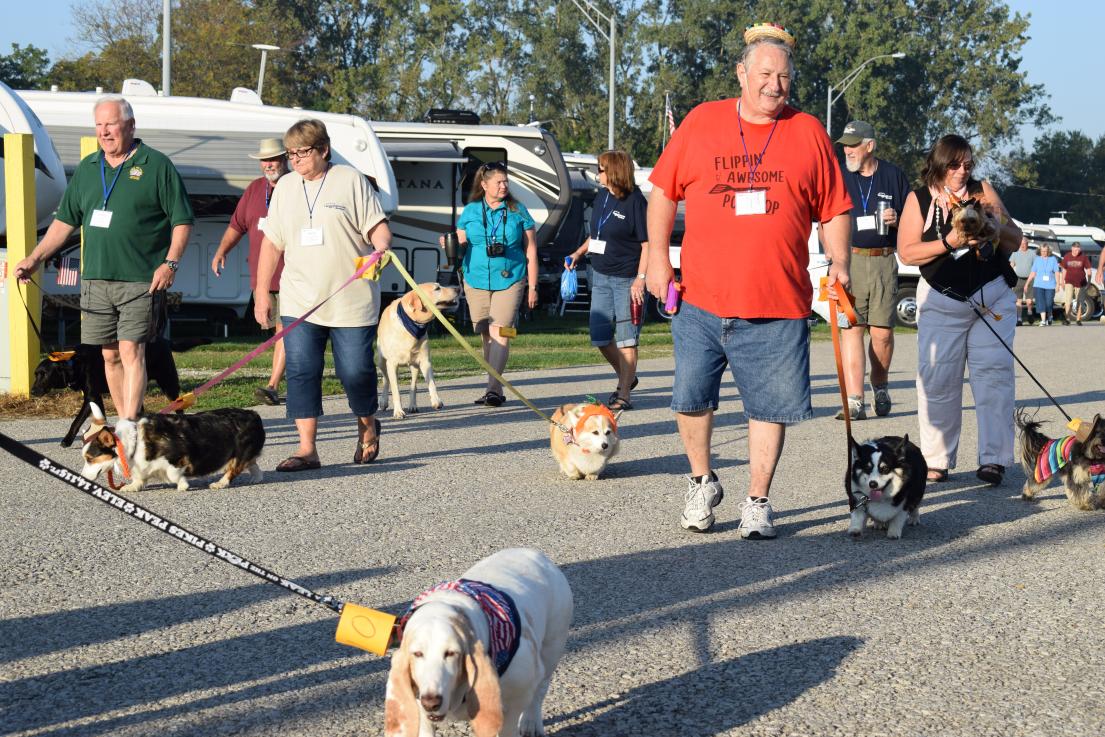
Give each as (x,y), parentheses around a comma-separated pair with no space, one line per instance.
(855,408)
(756,519)
(882,401)
(698,503)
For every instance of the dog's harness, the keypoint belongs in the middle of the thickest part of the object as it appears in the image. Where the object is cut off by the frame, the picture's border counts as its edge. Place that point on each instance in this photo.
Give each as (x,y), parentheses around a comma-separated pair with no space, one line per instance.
(416,329)
(1057,453)
(502,616)
(589,410)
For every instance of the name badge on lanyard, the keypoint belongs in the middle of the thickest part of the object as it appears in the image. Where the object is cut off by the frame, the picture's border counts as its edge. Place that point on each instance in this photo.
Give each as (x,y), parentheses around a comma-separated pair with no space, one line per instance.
(751,202)
(310,236)
(261,223)
(596,246)
(100,219)
(865,222)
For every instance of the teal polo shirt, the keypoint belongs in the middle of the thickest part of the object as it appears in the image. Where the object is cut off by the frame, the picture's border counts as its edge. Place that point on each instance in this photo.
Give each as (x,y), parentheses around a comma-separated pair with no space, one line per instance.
(478,221)
(147,201)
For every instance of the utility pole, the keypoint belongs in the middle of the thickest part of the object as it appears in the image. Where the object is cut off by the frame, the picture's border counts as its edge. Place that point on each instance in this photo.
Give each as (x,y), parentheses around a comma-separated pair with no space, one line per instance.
(166,46)
(593,15)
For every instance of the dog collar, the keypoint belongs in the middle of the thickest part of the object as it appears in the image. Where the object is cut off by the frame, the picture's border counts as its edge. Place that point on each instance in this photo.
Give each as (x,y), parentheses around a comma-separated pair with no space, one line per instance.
(416,329)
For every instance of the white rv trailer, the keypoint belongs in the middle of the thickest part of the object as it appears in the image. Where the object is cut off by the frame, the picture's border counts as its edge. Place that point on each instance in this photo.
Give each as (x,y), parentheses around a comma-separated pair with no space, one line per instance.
(209,142)
(16,117)
(434,164)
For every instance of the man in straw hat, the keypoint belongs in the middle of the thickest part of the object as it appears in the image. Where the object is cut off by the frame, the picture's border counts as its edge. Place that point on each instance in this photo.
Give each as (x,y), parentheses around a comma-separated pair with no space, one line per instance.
(753,173)
(249,217)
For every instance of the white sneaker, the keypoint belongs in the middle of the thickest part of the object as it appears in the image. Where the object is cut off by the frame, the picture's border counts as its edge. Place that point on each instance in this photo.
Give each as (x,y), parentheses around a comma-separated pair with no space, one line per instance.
(756,519)
(698,504)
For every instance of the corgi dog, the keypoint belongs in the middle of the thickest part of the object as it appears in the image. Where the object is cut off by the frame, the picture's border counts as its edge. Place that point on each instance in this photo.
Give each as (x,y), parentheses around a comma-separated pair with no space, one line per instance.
(175,447)
(1078,460)
(591,442)
(886,482)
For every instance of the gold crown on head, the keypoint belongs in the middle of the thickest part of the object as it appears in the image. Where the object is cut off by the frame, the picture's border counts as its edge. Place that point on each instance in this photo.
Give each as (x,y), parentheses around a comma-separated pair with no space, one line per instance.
(761,31)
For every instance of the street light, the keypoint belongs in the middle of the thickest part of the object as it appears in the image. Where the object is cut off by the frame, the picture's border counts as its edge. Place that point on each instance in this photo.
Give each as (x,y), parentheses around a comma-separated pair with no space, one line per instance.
(264,49)
(592,14)
(845,83)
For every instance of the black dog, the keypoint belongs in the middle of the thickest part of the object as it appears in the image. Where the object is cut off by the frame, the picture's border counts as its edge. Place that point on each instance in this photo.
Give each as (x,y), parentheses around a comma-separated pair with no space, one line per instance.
(886,482)
(84,372)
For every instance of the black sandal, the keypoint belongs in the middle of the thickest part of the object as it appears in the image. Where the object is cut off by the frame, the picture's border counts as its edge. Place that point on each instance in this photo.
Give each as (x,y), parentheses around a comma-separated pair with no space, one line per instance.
(491,399)
(991,473)
(617,403)
(614,395)
(362,454)
(937,475)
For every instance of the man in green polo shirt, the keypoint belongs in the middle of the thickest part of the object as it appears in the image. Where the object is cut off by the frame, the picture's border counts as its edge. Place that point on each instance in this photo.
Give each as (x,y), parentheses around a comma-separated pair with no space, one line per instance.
(131,202)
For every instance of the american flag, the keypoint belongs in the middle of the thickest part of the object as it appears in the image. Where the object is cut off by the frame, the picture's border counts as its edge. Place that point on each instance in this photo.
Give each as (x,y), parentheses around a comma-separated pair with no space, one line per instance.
(68,273)
(669,116)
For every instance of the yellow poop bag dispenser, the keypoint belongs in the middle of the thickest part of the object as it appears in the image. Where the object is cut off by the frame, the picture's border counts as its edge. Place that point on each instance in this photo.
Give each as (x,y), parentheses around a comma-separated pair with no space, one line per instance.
(364,628)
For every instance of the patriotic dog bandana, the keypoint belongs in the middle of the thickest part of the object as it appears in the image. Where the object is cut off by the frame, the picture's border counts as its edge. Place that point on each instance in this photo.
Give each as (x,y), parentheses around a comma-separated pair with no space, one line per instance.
(498,607)
(1056,454)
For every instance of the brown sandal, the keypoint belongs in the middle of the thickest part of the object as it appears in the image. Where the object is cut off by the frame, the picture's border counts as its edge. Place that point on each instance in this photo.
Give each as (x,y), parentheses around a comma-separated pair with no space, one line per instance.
(362,454)
(991,473)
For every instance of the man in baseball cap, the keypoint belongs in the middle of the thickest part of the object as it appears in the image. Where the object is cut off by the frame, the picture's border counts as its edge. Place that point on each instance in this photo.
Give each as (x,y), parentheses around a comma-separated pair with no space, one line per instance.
(249,217)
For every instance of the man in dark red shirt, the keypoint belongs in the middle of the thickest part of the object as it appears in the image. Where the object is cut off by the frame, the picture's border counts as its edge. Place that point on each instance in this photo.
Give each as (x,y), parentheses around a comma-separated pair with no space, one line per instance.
(1074,277)
(249,217)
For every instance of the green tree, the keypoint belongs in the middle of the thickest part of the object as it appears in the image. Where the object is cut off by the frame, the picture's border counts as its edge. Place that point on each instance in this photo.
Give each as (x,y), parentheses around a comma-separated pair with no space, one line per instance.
(1064,172)
(25,67)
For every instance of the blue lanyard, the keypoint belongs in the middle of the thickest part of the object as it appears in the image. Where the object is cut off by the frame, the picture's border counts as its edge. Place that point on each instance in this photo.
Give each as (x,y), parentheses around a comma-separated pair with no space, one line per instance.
(864,197)
(752,169)
(103,176)
(602,220)
(268,194)
(489,236)
(310,204)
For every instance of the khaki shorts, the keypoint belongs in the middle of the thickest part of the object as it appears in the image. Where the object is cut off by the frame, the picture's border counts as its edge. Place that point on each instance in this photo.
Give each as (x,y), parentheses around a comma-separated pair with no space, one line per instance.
(499,307)
(118,310)
(875,286)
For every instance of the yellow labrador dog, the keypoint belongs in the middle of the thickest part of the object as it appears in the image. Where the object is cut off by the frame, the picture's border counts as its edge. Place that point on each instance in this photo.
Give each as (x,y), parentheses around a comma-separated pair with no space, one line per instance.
(401,340)
(482,648)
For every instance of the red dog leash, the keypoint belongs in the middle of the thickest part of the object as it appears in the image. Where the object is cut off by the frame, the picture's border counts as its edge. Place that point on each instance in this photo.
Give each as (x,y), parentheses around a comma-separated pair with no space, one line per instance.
(846,306)
(188,399)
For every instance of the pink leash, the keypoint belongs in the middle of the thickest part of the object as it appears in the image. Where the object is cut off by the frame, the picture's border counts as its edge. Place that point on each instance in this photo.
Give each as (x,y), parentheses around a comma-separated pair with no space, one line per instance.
(180,402)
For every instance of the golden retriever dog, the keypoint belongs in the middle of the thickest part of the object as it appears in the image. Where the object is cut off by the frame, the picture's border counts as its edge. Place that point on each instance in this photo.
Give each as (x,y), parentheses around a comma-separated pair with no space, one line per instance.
(482,648)
(584,452)
(401,340)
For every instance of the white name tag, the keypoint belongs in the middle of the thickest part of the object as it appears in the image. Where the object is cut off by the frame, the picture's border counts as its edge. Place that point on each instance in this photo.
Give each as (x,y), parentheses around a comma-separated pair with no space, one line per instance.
(310,237)
(101,219)
(261,223)
(751,203)
(865,222)
(596,246)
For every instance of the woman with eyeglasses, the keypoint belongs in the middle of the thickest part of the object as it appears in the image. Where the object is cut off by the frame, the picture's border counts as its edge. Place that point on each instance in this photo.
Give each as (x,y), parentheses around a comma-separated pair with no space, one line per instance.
(499,265)
(323,217)
(616,250)
(963,285)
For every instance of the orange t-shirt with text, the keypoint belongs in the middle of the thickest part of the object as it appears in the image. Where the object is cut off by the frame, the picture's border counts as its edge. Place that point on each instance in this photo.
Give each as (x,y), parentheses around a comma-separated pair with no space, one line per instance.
(750,266)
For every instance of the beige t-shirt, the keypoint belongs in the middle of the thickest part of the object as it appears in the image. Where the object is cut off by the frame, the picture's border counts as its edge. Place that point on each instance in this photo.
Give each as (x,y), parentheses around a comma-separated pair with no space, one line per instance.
(345,210)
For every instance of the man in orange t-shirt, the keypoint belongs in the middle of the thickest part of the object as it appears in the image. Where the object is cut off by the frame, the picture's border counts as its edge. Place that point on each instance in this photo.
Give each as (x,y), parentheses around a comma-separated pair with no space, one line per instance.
(754,174)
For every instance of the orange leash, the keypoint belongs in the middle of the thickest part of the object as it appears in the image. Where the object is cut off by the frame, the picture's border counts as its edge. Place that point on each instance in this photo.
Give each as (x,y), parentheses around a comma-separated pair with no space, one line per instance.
(122,463)
(847,307)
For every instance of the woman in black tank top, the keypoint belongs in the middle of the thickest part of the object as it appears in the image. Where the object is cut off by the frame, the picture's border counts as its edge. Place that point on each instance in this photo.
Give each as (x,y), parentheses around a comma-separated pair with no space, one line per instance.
(962,284)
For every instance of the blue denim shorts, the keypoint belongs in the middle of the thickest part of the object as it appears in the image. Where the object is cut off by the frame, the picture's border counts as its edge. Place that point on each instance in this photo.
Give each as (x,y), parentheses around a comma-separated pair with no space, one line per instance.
(305,351)
(769,358)
(610,315)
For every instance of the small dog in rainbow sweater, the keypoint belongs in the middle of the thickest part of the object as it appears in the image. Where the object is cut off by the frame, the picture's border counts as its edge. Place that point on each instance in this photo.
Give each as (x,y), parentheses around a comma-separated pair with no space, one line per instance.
(1078,459)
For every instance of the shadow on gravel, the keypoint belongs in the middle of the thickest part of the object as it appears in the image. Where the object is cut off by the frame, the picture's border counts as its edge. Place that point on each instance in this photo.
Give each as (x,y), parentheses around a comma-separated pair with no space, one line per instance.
(27,637)
(715,697)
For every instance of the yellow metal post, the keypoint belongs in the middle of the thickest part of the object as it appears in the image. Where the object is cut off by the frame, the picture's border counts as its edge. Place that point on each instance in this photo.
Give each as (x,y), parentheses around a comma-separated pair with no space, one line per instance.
(19,201)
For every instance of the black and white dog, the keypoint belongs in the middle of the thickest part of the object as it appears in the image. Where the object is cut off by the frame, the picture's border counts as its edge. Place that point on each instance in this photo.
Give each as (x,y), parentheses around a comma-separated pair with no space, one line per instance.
(886,481)
(176,447)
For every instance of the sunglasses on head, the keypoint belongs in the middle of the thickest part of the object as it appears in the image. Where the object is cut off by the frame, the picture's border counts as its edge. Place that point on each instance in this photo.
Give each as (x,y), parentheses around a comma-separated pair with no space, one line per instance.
(494,166)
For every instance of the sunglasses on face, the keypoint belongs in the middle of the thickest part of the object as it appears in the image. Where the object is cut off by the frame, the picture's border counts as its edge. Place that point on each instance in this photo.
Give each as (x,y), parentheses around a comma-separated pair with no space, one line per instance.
(966,166)
(300,153)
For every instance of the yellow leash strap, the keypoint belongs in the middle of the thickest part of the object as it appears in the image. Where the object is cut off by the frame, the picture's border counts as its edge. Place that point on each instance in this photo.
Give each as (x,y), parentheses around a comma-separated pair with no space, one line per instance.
(429,303)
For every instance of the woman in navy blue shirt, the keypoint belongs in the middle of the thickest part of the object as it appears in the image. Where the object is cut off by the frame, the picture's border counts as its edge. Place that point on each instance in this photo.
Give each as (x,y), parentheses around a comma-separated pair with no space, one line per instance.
(500,266)
(617,254)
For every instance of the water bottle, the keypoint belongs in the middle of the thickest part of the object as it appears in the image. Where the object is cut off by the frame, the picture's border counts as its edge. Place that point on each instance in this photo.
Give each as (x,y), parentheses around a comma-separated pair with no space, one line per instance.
(451,246)
(880,225)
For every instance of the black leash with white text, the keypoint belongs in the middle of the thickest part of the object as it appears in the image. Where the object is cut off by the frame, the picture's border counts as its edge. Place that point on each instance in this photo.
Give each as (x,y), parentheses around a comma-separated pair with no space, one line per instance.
(140,513)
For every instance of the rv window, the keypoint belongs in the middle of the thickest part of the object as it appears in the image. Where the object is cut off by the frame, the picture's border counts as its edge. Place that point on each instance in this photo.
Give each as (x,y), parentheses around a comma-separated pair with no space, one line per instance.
(476,158)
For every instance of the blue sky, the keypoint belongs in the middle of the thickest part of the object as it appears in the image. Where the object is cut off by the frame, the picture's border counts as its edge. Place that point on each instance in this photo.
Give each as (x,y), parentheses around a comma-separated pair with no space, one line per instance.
(1064,53)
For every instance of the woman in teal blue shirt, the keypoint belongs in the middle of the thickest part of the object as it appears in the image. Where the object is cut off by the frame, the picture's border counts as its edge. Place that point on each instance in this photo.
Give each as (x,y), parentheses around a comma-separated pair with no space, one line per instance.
(1045,268)
(499,264)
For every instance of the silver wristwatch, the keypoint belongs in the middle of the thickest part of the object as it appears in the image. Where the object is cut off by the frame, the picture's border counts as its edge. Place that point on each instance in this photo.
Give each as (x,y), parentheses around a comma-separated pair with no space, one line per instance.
(173,265)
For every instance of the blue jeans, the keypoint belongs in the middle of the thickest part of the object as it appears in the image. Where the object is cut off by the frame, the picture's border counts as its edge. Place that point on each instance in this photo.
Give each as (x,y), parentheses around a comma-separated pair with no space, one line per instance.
(769,358)
(1045,300)
(305,348)
(610,311)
